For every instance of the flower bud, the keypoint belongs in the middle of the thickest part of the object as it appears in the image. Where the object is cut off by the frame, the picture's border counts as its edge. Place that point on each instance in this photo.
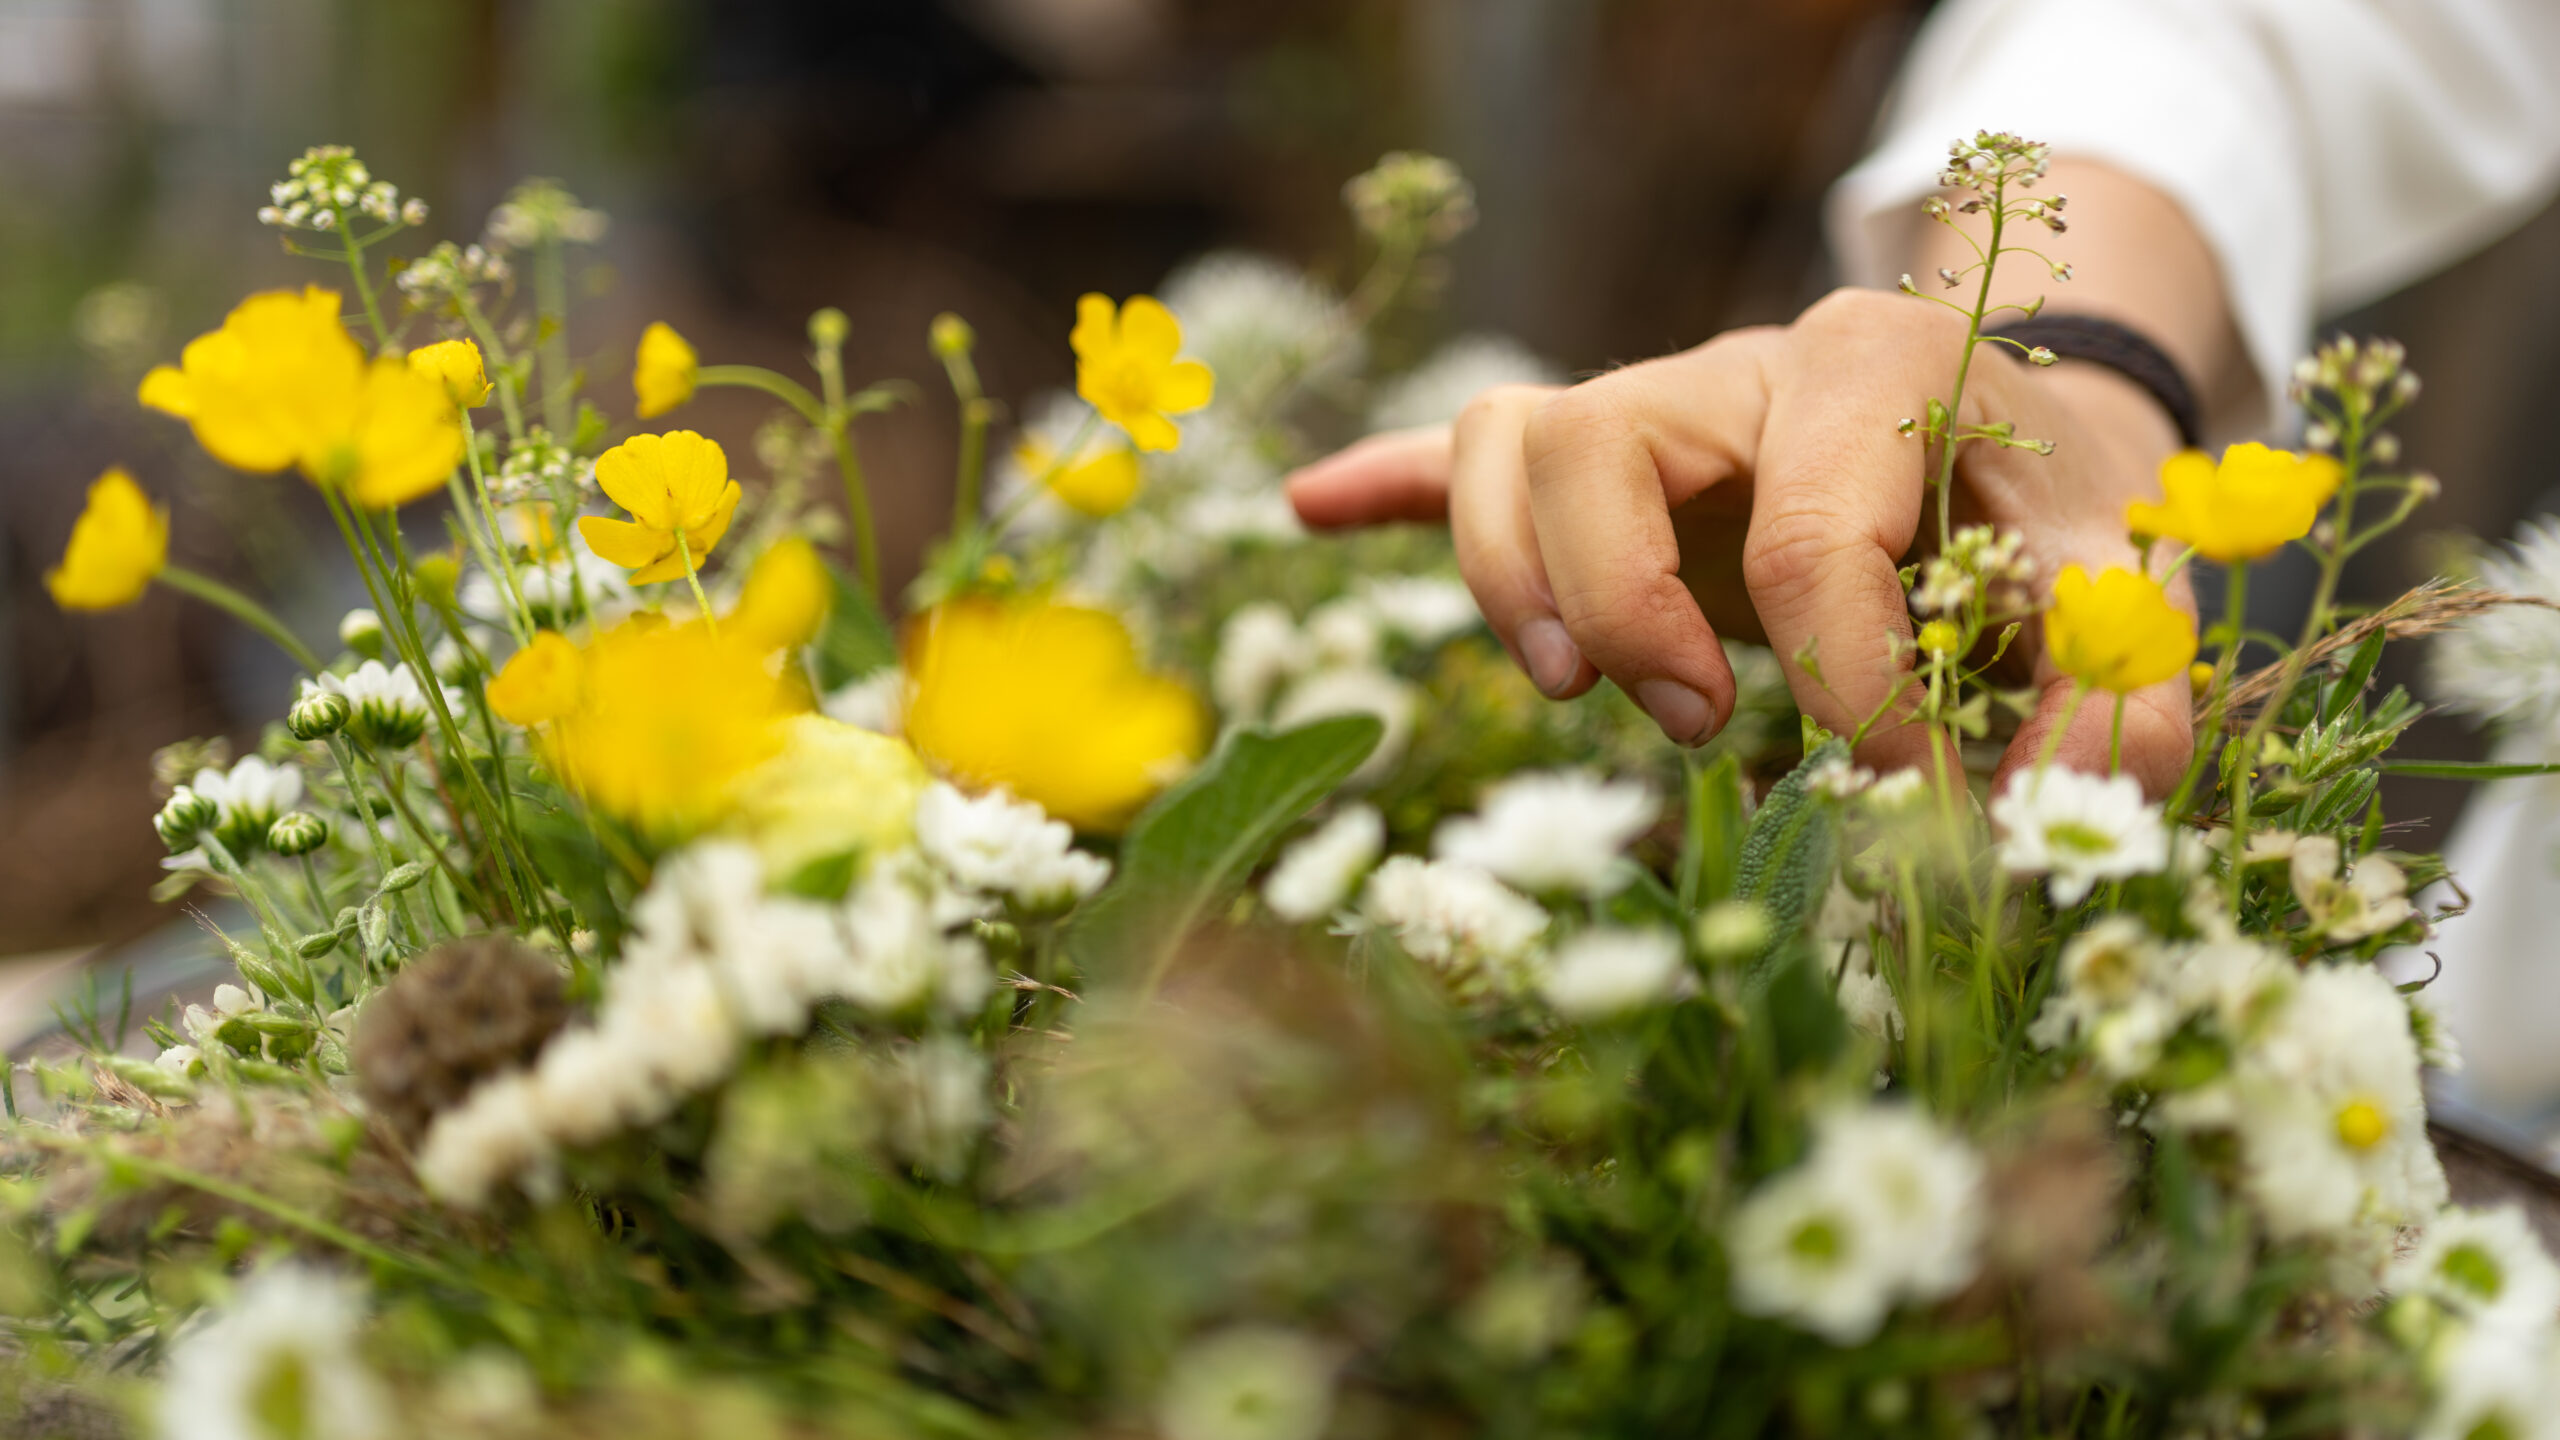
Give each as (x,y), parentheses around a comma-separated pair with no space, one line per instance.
(185,816)
(361,631)
(2386,447)
(2199,679)
(951,336)
(1733,930)
(297,832)
(1940,637)
(437,577)
(317,715)
(828,327)
(2041,356)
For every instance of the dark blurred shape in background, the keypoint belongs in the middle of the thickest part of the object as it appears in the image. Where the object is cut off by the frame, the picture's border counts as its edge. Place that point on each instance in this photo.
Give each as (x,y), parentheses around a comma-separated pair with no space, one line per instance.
(1648,171)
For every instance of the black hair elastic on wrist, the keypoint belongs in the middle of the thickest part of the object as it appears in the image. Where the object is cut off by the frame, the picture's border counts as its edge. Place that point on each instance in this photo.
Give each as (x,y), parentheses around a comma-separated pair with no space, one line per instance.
(2120,348)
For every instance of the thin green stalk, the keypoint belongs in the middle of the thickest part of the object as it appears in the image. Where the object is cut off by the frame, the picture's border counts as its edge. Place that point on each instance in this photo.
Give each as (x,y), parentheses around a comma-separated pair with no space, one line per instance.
(503,569)
(270,1207)
(836,424)
(496,351)
(551,307)
(1964,367)
(2115,739)
(342,753)
(693,579)
(240,607)
(2235,609)
(354,251)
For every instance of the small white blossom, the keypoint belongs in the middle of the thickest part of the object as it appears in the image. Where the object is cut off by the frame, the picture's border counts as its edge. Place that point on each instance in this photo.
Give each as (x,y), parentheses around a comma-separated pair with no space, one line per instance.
(2493,1382)
(996,844)
(1259,649)
(2077,829)
(1357,691)
(247,799)
(1604,972)
(1552,831)
(2485,1265)
(1887,1208)
(1344,634)
(1838,779)
(1317,875)
(390,704)
(1422,609)
(1246,316)
(1453,916)
(2371,898)
(1433,392)
(1249,1383)
(288,1338)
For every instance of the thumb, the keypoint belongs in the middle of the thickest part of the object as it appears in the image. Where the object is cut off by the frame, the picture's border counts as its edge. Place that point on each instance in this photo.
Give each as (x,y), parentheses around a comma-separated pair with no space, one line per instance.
(2158,734)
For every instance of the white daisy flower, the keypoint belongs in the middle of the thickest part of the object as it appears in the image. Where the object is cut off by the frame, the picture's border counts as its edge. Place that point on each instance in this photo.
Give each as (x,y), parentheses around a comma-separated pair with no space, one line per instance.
(1609,971)
(1809,1252)
(2077,830)
(2493,1380)
(1315,876)
(2486,1265)
(247,799)
(287,1339)
(1552,831)
(2371,898)
(1249,1383)
(390,705)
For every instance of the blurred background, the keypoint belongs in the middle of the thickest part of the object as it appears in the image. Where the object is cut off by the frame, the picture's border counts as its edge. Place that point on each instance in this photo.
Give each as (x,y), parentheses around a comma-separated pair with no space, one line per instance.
(1649,173)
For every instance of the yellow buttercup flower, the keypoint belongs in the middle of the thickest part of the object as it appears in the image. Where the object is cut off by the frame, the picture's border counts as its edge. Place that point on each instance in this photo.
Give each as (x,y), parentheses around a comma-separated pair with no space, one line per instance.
(2253,501)
(539,683)
(662,375)
(1125,368)
(832,789)
(1049,701)
(667,720)
(785,598)
(1099,485)
(456,365)
(283,383)
(2118,632)
(119,543)
(673,484)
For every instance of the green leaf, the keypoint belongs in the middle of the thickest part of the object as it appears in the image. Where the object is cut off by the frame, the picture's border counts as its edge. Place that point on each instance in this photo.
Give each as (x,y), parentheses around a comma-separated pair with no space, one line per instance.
(858,639)
(1787,854)
(2351,684)
(2465,769)
(1200,839)
(1711,841)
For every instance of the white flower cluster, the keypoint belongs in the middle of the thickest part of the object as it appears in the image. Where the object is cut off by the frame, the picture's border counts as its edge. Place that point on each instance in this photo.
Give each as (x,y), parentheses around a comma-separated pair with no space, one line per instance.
(2482,1299)
(1457,919)
(1433,392)
(997,845)
(1886,1210)
(540,211)
(1978,559)
(1315,876)
(278,1359)
(1272,667)
(1844,932)
(713,960)
(246,800)
(452,270)
(1255,320)
(2076,829)
(1610,970)
(1553,832)
(326,185)
(2504,663)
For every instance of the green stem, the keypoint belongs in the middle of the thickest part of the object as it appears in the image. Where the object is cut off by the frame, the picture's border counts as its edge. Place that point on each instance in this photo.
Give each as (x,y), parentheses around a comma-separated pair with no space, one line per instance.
(1964,366)
(240,607)
(837,426)
(684,548)
(276,1210)
(2053,737)
(2115,739)
(341,752)
(2235,609)
(551,309)
(354,249)
(495,349)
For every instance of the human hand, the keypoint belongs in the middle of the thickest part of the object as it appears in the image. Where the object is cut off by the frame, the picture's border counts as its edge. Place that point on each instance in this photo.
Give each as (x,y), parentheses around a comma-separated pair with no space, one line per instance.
(1758,486)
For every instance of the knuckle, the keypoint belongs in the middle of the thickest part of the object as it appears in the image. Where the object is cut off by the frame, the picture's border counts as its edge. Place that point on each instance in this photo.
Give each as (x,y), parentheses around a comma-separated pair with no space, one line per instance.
(1488,406)
(1576,420)
(1787,549)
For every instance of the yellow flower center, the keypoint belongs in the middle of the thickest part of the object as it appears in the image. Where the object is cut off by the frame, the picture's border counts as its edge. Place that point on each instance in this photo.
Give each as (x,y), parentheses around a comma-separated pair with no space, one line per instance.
(2362,1125)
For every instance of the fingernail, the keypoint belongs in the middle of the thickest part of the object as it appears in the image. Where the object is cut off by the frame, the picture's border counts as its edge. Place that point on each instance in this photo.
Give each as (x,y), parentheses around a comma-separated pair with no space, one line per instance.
(1549,653)
(1684,714)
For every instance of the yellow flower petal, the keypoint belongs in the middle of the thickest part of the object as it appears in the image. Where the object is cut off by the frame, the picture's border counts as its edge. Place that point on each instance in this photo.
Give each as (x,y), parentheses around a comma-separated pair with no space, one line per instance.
(2242,508)
(119,543)
(629,475)
(539,683)
(1149,329)
(1187,385)
(1094,325)
(664,371)
(406,438)
(1050,702)
(1100,486)
(668,721)
(785,599)
(619,542)
(457,366)
(166,390)
(1126,370)
(2119,632)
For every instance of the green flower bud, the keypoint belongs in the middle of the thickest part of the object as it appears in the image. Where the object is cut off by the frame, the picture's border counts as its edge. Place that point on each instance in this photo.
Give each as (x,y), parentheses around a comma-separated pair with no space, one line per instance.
(183,818)
(361,631)
(951,336)
(317,715)
(1732,930)
(297,832)
(437,577)
(828,327)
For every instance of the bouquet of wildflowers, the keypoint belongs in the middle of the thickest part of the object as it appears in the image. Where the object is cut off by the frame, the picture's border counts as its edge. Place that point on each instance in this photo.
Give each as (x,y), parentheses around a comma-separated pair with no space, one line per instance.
(1167,974)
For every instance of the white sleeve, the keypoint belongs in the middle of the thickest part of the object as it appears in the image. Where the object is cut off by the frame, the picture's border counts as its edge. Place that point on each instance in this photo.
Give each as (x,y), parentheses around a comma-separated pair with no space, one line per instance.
(2330,151)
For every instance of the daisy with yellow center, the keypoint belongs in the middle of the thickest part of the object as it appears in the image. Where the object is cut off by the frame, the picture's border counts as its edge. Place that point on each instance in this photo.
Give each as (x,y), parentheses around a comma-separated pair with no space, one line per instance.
(119,545)
(665,371)
(1052,703)
(2118,632)
(2242,508)
(282,384)
(1126,368)
(680,496)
